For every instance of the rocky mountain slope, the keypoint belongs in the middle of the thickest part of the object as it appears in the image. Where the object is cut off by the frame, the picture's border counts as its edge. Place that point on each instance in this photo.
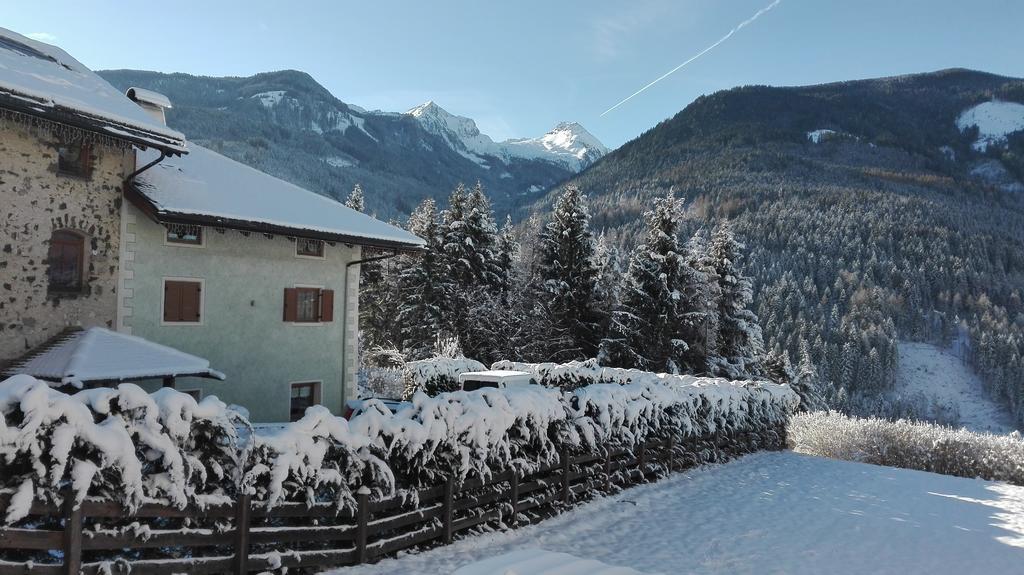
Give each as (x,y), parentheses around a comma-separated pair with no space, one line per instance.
(287,124)
(872,210)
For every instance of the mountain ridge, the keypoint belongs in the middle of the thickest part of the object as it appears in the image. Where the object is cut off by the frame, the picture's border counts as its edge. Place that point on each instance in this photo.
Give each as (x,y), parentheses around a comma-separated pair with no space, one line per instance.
(287,124)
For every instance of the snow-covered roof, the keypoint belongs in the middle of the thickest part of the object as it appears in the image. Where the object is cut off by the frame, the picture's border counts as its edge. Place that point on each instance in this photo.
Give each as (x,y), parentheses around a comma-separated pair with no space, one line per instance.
(42,80)
(100,355)
(207,188)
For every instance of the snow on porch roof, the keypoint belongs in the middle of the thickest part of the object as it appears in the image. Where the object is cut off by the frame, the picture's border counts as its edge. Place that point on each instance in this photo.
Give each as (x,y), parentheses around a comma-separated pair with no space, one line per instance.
(42,80)
(100,355)
(207,188)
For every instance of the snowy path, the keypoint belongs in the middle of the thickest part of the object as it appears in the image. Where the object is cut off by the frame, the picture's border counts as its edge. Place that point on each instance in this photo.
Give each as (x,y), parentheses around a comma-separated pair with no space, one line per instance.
(928,369)
(774,513)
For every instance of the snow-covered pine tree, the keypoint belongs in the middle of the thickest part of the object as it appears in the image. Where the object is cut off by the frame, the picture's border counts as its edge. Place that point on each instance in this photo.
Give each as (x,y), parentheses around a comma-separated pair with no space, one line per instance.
(421,286)
(377,298)
(699,297)
(609,278)
(469,239)
(647,329)
(508,255)
(806,384)
(356,199)
(740,345)
(568,277)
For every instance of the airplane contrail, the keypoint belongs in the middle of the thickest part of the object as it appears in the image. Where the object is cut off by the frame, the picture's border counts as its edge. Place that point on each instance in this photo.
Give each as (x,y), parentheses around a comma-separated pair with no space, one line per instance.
(698,55)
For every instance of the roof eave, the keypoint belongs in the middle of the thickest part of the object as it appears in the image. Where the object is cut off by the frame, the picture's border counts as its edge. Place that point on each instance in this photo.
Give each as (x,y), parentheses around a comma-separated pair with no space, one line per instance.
(143,202)
(89,123)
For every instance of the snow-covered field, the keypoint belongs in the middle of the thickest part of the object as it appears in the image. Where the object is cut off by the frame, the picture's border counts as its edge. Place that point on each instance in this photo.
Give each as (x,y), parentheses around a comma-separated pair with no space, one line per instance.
(936,372)
(994,119)
(771,513)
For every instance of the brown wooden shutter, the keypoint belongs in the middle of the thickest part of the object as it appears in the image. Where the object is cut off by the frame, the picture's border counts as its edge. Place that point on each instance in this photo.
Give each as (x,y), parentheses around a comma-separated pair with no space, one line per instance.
(327,305)
(291,304)
(190,298)
(172,301)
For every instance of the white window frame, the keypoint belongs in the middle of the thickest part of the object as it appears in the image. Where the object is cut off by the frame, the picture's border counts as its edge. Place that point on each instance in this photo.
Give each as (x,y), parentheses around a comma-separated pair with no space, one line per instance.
(318,394)
(295,250)
(304,323)
(200,245)
(202,301)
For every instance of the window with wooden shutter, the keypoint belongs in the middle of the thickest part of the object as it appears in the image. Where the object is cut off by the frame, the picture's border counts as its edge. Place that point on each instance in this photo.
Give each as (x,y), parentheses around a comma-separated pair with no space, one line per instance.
(308,305)
(183,301)
(326,305)
(291,304)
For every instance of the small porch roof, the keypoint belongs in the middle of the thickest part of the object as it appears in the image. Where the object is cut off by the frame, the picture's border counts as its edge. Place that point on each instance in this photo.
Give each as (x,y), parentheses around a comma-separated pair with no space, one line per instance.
(98,355)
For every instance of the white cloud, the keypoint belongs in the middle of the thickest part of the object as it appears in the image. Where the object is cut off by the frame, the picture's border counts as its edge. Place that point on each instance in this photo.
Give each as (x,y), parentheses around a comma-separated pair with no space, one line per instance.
(42,37)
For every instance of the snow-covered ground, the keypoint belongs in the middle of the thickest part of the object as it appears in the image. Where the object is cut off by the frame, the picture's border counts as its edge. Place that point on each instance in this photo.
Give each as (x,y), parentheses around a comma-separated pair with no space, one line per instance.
(772,513)
(995,120)
(927,369)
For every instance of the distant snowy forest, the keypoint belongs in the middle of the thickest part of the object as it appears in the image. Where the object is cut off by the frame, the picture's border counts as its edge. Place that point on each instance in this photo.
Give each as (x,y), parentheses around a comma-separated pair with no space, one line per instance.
(554,292)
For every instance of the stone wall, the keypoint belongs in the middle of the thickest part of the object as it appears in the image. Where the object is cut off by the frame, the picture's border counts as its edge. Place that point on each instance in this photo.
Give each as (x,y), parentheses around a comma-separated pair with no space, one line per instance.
(35,201)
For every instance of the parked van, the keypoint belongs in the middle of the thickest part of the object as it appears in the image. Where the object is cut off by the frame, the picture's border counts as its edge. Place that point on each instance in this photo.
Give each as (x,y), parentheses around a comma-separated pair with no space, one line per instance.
(499,378)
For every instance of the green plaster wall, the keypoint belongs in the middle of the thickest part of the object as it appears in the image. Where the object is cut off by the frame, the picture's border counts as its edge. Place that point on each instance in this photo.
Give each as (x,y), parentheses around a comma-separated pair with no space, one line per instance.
(242,332)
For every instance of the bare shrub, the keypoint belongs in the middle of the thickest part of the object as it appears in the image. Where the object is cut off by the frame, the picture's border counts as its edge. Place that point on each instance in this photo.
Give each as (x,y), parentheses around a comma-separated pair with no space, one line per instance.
(910,445)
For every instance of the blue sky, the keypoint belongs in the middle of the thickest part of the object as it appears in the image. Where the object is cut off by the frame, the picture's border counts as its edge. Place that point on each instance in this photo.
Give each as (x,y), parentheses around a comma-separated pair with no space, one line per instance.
(520,67)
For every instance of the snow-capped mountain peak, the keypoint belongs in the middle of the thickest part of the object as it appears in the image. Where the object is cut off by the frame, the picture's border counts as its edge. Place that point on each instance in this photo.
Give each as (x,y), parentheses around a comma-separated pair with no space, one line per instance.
(569,144)
(574,139)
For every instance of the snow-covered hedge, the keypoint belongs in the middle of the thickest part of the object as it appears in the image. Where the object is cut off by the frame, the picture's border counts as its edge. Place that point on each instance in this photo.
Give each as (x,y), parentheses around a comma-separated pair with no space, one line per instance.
(628,406)
(468,433)
(317,459)
(910,445)
(436,375)
(119,444)
(122,444)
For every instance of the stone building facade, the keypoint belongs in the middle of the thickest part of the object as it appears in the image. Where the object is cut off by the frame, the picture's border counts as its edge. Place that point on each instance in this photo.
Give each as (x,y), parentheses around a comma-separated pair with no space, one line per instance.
(38,199)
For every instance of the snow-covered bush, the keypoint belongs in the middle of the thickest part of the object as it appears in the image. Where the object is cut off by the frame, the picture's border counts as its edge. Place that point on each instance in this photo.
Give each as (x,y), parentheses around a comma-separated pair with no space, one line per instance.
(468,434)
(317,459)
(119,444)
(436,375)
(910,445)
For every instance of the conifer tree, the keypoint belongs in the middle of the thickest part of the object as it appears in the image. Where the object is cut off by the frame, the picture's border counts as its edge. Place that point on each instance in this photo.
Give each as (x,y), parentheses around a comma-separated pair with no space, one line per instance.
(740,345)
(469,241)
(568,278)
(355,200)
(377,299)
(507,255)
(609,279)
(646,331)
(421,286)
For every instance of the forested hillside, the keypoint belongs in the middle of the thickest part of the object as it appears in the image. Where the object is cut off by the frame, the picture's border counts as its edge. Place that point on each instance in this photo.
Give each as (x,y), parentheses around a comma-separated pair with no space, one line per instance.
(867,213)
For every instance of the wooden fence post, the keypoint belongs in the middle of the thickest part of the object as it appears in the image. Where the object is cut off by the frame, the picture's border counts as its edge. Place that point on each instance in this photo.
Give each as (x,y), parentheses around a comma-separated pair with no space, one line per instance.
(671,464)
(243,513)
(566,467)
(514,496)
(72,534)
(362,524)
(449,508)
(642,460)
(607,469)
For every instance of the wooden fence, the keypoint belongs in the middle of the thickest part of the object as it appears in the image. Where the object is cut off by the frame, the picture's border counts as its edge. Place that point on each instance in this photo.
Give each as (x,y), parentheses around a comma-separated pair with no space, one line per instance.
(374,529)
